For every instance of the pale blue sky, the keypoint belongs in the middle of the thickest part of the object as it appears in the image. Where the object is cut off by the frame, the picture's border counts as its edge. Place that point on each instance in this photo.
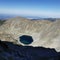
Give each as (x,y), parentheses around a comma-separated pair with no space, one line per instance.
(40,8)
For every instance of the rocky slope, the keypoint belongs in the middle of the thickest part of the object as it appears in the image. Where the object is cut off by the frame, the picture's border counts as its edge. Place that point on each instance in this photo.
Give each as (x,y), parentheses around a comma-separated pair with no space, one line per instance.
(44,33)
(10,51)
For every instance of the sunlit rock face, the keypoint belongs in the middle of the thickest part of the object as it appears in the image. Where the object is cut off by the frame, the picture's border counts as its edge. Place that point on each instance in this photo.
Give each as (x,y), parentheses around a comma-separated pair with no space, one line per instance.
(44,33)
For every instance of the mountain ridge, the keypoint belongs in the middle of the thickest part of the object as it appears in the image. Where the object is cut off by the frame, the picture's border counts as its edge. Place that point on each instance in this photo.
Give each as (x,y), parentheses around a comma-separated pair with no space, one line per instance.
(44,32)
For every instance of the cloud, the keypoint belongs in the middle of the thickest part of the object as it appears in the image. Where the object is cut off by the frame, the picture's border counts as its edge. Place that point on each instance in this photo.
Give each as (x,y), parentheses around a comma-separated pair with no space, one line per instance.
(38,13)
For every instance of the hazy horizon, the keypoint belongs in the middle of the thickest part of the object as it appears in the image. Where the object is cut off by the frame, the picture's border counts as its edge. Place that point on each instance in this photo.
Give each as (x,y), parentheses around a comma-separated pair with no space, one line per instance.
(38,8)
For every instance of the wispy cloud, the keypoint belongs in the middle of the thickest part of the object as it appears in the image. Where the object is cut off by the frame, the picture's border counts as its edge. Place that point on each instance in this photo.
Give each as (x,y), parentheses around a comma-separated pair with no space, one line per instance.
(38,13)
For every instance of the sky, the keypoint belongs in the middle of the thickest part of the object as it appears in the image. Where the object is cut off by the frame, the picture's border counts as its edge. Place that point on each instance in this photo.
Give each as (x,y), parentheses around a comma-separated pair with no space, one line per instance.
(40,8)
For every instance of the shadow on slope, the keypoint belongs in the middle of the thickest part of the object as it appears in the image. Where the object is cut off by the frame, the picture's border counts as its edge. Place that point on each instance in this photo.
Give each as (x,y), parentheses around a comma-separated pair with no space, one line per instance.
(2,21)
(10,51)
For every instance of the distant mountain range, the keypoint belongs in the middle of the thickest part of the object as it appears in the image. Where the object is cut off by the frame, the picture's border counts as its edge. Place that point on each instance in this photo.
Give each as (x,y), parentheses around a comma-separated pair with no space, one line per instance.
(6,16)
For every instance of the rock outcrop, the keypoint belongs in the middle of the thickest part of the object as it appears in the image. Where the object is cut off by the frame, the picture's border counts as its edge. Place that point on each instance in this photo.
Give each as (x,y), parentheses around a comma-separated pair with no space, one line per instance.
(10,51)
(44,33)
